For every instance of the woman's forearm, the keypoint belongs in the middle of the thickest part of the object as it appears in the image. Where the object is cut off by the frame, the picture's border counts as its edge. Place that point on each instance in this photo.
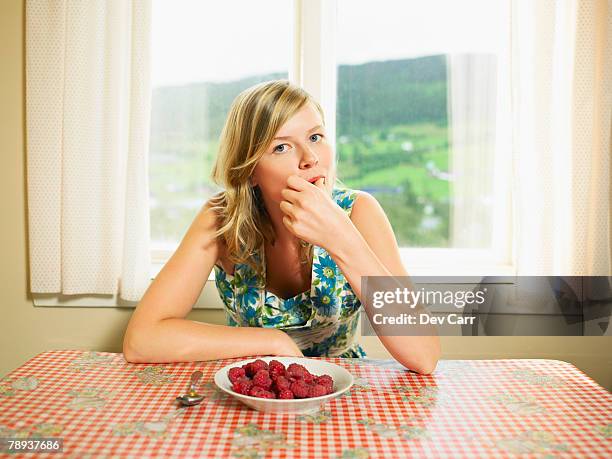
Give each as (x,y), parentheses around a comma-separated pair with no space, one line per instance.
(356,259)
(182,340)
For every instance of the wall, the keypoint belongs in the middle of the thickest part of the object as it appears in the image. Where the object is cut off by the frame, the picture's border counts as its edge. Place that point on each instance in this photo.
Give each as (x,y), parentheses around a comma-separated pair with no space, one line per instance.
(26,330)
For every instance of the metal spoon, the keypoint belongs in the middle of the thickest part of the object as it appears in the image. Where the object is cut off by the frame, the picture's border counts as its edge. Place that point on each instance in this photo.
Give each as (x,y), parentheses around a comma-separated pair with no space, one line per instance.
(192,397)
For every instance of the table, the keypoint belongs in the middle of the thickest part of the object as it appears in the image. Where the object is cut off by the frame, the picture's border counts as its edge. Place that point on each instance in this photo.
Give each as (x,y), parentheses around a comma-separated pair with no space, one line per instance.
(102,406)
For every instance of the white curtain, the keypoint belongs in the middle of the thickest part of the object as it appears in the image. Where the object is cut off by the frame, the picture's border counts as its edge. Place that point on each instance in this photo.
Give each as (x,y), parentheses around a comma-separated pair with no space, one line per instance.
(561,62)
(472,116)
(88,109)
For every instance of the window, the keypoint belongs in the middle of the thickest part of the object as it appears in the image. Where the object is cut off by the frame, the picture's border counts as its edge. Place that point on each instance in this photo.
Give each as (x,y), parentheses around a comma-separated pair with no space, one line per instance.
(204,54)
(413,92)
(416,114)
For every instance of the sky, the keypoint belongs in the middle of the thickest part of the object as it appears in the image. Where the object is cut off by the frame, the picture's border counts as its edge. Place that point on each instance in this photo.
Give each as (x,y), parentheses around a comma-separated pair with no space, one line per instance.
(197,40)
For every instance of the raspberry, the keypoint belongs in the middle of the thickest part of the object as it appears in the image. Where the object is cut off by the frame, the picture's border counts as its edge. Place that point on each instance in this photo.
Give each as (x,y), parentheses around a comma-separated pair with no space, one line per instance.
(242,385)
(235,374)
(296,370)
(260,364)
(266,394)
(317,390)
(299,389)
(308,377)
(253,367)
(276,363)
(255,391)
(281,383)
(285,394)
(276,368)
(262,379)
(325,381)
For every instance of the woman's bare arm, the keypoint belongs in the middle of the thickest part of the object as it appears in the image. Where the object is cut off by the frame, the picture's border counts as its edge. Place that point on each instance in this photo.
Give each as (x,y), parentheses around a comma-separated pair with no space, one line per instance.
(370,249)
(158,330)
(181,340)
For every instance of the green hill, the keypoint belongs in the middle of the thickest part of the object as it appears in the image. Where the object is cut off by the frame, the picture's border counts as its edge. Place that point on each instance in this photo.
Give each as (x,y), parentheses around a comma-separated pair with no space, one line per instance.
(371,95)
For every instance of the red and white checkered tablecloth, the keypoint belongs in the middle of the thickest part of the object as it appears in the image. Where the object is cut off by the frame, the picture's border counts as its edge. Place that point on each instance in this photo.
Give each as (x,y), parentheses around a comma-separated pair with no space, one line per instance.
(102,406)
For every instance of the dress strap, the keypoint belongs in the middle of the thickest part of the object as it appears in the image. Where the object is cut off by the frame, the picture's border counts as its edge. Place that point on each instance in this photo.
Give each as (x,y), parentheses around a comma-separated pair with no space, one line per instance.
(345,198)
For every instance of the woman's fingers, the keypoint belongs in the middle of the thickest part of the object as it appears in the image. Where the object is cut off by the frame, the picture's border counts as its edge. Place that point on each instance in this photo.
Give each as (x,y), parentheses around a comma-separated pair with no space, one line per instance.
(290,195)
(287,208)
(288,223)
(297,183)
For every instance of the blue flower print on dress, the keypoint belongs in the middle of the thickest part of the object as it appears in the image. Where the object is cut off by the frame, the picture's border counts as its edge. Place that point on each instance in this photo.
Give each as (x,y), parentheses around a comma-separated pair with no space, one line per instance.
(230,320)
(327,301)
(247,295)
(346,201)
(288,312)
(293,305)
(224,286)
(273,322)
(325,269)
(323,348)
(351,305)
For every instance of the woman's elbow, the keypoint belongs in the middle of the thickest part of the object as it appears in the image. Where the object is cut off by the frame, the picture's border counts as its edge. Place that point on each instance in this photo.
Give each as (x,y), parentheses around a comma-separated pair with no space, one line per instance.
(131,352)
(128,353)
(426,367)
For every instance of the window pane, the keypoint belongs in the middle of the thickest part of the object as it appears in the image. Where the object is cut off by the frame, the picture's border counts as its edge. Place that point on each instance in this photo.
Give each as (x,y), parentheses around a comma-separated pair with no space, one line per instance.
(204,54)
(416,114)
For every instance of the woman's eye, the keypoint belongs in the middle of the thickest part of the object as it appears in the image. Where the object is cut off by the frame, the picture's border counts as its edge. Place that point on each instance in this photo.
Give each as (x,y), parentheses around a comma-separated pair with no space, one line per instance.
(315,135)
(276,149)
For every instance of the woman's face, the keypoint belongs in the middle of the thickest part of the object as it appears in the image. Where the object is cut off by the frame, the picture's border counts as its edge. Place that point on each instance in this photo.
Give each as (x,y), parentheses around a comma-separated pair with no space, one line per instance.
(300,147)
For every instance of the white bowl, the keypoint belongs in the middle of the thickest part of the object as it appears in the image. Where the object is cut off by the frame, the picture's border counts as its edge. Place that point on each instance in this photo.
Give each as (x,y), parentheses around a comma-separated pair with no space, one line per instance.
(343,381)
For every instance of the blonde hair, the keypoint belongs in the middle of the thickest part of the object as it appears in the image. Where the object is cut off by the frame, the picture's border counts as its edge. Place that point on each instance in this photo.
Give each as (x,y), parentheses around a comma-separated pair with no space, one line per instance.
(254,118)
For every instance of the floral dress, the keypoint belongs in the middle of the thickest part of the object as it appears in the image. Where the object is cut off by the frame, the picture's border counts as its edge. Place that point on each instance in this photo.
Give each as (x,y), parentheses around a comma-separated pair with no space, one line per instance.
(322,321)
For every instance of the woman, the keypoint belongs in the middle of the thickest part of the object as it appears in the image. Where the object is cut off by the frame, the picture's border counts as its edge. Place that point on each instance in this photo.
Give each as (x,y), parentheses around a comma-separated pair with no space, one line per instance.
(289,248)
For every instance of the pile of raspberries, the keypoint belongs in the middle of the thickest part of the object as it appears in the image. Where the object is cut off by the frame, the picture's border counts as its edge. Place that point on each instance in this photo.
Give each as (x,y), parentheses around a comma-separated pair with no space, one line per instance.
(273,380)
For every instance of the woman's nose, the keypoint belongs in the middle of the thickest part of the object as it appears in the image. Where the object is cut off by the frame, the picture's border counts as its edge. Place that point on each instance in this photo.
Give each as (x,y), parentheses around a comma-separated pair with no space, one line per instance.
(309,158)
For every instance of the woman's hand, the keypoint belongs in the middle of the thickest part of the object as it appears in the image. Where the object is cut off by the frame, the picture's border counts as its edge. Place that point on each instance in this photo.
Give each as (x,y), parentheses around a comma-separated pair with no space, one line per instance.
(311,214)
(285,346)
